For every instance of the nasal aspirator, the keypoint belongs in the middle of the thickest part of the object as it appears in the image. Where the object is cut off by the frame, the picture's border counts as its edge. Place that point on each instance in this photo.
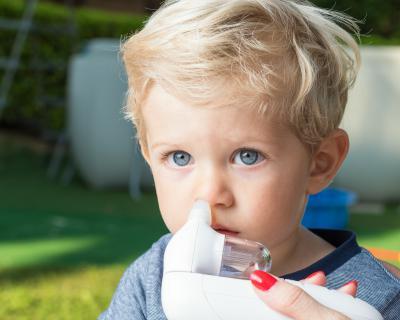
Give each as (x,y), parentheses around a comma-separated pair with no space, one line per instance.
(206,277)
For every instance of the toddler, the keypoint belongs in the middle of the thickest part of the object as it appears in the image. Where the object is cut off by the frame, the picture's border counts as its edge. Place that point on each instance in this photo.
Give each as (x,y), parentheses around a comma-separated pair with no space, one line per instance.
(238,102)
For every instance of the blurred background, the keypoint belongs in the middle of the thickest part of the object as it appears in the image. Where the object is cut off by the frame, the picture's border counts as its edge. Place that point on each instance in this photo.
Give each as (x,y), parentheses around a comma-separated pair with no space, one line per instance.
(77,203)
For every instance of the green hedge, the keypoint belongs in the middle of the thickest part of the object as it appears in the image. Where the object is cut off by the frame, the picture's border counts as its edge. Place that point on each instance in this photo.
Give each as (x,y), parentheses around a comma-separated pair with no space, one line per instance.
(381,17)
(37,98)
(41,78)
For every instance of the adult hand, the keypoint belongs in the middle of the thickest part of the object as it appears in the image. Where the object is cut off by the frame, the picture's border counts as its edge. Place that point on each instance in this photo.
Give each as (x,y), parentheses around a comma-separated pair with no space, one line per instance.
(294,302)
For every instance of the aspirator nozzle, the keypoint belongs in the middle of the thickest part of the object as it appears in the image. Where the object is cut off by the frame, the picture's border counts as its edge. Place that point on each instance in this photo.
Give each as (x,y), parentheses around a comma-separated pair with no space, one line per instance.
(201,210)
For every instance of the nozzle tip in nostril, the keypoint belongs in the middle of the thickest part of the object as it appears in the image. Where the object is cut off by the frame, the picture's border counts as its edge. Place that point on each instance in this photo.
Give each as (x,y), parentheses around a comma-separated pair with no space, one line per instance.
(201,210)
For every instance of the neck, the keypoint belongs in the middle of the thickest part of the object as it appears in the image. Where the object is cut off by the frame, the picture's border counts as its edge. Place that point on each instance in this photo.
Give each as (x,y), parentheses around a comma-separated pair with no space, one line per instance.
(297,252)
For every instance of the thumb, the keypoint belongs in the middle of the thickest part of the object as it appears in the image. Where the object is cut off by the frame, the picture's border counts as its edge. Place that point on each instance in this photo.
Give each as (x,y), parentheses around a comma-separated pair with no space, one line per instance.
(290,300)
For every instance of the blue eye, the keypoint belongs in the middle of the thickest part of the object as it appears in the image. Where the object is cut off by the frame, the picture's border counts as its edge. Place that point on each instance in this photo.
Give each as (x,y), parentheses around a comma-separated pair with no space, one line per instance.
(248,157)
(181,158)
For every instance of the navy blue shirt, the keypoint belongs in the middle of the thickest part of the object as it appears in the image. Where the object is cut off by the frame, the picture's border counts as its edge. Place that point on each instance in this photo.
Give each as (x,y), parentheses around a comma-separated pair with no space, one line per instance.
(138,295)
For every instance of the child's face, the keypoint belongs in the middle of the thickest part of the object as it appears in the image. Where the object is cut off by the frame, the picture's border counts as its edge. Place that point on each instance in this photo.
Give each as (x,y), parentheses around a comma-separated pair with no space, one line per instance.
(253,171)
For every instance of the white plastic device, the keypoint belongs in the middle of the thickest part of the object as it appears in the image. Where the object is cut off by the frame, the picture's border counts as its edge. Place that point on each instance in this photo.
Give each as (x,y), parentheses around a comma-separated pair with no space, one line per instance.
(206,277)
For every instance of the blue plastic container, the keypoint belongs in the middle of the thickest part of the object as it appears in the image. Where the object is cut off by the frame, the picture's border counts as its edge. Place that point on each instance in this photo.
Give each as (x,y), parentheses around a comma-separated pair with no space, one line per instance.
(329,209)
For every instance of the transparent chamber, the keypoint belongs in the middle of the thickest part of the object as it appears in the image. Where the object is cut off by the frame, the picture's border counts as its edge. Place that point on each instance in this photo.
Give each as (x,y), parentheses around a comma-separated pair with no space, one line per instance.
(241,257)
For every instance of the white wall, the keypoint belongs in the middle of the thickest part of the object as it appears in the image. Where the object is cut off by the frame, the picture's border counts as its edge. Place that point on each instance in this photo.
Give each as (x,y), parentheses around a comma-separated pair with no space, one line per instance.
(372,119)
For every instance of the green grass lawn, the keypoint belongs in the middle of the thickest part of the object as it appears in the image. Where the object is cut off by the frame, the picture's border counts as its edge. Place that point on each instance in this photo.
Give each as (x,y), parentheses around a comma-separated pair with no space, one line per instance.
(378,231)
(64,248)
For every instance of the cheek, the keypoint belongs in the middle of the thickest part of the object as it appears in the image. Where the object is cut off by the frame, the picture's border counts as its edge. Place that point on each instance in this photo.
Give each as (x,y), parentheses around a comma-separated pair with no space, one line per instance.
(171,204)
(274,206)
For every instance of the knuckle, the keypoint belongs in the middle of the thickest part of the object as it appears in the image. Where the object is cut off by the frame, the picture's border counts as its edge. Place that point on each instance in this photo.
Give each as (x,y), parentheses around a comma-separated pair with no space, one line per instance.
(294,298)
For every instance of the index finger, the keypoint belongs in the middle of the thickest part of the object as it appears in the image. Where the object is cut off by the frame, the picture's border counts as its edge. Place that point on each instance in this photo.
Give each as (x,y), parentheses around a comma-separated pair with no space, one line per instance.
(292,301)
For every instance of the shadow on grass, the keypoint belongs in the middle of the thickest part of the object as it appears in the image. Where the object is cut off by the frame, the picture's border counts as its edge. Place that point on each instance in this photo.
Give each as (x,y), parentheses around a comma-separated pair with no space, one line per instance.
(37,240)
(45,225)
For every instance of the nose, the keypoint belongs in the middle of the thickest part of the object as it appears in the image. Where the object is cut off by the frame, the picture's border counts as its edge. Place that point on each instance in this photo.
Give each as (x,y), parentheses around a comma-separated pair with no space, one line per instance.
(214,187)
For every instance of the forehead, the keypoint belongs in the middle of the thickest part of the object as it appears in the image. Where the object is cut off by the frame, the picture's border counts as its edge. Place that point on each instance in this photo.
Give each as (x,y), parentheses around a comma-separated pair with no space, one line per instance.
(167,116)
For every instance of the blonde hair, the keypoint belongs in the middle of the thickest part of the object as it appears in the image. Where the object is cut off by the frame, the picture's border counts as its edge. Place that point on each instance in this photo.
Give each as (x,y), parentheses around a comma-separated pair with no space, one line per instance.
(282,57)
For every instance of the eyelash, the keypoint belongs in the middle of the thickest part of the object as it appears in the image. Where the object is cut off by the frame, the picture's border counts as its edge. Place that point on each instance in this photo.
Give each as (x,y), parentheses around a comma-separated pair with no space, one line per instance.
(165,155)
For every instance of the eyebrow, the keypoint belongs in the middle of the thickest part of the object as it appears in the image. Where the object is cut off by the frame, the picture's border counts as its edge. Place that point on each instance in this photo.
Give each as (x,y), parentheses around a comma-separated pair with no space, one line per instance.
(159,144)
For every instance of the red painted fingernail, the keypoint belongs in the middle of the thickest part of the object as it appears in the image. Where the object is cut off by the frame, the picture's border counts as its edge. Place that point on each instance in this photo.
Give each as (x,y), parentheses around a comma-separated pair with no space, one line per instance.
(353,282)
(262,280)
(315,273)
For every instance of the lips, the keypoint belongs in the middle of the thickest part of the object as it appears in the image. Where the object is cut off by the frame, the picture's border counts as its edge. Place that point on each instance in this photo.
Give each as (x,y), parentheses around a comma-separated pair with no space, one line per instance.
(224,230)
(227,232)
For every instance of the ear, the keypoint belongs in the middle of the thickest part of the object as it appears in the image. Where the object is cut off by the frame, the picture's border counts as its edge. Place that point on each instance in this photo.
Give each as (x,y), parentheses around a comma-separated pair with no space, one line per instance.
(327,160)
